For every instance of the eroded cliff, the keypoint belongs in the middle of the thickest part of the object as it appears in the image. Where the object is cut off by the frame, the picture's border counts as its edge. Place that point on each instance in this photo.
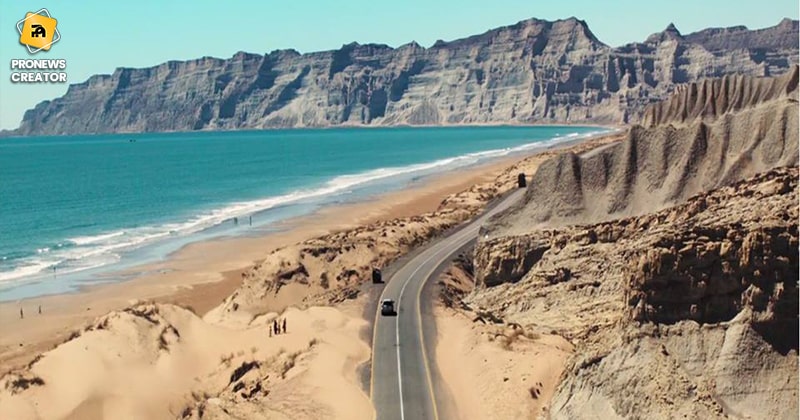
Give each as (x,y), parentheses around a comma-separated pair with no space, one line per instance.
(533,71)
(688,311)
(669,259)
(701,148)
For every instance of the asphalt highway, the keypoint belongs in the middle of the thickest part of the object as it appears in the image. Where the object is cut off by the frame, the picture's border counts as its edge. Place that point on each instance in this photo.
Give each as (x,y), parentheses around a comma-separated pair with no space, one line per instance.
(401,385)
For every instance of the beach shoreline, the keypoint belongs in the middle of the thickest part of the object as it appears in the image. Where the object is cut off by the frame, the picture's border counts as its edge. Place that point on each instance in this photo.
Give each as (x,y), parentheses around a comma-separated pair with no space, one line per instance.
(117,246)
(345,125)
(202,274)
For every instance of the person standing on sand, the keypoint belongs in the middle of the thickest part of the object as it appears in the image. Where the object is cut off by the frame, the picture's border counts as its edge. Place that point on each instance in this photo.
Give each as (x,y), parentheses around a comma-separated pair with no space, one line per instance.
(275,326)
(40,309)
(284,325)
(21,315)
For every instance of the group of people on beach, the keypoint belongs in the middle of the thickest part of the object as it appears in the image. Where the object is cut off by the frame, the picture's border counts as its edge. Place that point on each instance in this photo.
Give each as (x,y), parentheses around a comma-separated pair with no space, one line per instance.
(277,327)
(22,313)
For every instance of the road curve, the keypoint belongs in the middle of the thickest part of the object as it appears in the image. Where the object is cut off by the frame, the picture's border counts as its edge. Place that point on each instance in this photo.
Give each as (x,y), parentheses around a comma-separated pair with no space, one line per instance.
(401,385)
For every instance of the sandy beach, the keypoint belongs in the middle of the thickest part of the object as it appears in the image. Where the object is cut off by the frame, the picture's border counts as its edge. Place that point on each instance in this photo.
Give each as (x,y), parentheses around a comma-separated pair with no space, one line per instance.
(202,274)
(217,282)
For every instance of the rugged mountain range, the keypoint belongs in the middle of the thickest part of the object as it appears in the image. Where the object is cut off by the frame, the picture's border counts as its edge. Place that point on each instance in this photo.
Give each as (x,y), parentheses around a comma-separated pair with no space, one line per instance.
(533,71)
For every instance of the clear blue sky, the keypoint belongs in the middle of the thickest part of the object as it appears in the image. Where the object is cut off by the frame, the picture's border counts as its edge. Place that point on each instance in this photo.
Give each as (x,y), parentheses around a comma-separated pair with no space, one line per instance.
(99,36)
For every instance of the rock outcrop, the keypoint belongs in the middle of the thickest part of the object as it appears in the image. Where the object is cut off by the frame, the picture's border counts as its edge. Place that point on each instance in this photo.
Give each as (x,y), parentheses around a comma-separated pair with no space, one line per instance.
(690,311)
(719,131)
(533,71)
(669,259)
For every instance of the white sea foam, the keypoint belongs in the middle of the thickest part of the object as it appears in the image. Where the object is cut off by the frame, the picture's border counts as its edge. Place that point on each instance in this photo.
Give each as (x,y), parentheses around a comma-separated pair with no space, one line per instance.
(85,240)
(22,271)
(85,252)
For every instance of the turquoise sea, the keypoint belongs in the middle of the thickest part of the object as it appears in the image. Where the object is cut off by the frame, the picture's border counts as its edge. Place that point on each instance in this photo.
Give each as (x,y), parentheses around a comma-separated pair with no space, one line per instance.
(74,209)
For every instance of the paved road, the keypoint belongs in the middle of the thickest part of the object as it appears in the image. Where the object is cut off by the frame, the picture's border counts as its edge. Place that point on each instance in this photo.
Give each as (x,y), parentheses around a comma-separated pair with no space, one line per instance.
(401,385)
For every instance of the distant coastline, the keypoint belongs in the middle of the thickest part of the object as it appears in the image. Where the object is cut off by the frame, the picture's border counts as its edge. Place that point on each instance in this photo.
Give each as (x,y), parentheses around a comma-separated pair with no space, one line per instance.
(4,134)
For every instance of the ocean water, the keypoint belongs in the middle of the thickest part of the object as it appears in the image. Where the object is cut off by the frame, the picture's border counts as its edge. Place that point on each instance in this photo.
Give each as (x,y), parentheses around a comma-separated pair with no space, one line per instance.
(75,208)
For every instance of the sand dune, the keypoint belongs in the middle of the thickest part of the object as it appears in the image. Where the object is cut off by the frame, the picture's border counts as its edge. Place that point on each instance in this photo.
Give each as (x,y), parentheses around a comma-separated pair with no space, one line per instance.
(164,362)
(654,168)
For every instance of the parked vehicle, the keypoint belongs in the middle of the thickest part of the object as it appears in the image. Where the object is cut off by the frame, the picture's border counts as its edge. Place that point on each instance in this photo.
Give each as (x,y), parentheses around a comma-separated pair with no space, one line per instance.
(377,276)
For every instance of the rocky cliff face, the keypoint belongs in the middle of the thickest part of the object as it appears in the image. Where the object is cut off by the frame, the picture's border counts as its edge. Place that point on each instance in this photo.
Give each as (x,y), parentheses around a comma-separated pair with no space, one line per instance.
(669,259)
(709,145)
(533,71)
(688,312)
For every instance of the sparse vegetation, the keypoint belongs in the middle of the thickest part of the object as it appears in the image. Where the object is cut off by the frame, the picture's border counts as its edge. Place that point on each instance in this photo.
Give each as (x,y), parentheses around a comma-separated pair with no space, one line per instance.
(35,359)
(508,336)
(22,383)
(290,362)
(226,359)
(242,370)
(146,312)
(73,335)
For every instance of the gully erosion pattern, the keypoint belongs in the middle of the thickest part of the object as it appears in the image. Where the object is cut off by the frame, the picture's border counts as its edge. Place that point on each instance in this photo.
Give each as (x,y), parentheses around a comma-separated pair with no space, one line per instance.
(533,71)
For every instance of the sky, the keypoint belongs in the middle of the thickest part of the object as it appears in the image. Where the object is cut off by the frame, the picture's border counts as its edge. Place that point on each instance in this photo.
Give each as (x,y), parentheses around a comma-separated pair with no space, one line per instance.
(100,36)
